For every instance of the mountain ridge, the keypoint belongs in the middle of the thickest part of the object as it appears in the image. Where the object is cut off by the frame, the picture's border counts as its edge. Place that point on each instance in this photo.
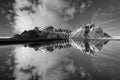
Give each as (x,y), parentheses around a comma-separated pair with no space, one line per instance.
(90,31)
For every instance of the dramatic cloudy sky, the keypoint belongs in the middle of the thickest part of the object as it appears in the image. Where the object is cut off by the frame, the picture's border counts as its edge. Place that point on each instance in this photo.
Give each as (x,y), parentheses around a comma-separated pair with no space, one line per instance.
(105,13)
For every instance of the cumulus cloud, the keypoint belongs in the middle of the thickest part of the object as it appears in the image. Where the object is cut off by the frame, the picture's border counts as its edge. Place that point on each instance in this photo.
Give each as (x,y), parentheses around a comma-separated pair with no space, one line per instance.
(31,13)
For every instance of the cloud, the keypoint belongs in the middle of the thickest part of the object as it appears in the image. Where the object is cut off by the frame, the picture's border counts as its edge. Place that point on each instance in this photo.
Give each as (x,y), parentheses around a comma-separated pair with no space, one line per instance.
(9,16)
(4,37)
(114,5)
(108,16)
(31,13)
(3,11)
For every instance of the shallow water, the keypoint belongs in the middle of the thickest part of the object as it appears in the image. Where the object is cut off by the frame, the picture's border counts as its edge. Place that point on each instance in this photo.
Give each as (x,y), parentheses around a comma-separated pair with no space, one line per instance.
(61,60)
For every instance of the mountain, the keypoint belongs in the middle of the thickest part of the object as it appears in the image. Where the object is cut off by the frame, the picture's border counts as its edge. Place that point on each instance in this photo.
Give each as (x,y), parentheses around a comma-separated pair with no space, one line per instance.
(87,46)
(48,32)
(89,31)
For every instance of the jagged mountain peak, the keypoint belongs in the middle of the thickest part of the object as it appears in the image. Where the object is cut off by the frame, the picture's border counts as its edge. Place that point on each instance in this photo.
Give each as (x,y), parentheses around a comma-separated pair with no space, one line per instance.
(91,31)
(48,32)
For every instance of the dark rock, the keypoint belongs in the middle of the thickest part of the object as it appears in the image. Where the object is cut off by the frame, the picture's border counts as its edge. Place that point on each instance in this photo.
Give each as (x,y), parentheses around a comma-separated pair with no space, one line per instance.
(47,33)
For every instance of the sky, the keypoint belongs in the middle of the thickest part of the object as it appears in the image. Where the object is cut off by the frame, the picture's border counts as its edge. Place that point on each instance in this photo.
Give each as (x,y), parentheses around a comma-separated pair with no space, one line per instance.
(15,17)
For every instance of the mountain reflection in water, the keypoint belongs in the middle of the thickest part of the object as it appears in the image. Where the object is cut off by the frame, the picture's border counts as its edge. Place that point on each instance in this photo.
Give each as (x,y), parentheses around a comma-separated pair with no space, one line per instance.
(86,46)
(50,46)
(45,61)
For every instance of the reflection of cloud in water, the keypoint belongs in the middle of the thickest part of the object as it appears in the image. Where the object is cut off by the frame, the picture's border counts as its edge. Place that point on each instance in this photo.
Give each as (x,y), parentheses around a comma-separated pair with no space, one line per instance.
(44,64)
(38,65)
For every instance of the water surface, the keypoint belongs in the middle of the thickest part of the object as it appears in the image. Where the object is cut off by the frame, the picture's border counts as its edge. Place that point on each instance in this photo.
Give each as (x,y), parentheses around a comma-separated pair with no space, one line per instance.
(61,60)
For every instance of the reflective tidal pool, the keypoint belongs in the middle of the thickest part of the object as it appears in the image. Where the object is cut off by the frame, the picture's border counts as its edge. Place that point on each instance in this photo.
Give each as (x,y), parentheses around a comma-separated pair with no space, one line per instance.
(61,60)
